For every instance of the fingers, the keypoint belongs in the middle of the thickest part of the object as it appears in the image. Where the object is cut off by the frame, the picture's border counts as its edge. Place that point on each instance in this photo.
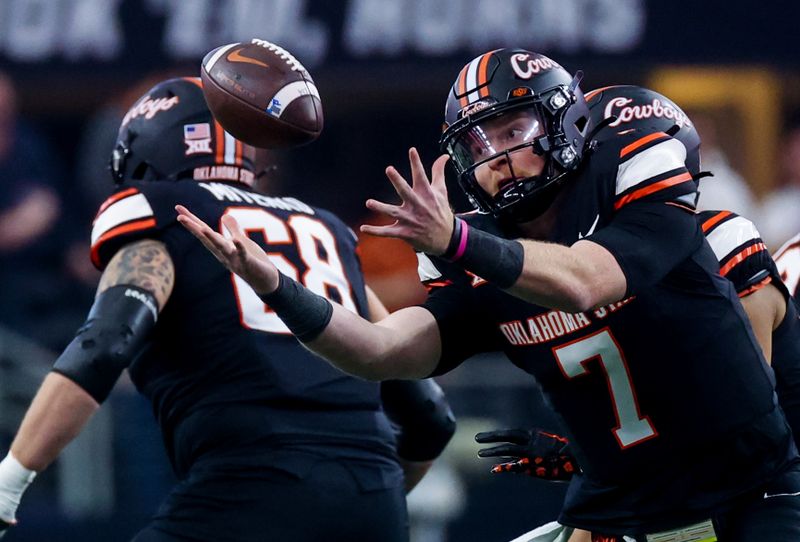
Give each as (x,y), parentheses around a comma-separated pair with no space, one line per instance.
(503,450)
(382,231)
(419,179)
(385,208)
(437,173)
(218,245)
(233,227)
(517,436)
(521,465)
(399,183)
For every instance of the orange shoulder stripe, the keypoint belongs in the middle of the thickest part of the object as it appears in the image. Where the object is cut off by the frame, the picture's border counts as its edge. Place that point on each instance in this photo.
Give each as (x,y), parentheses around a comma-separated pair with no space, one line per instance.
(655,187)
(115,198)
(119,230)
(749,251)
(714,220)
(757,286)
(639,142)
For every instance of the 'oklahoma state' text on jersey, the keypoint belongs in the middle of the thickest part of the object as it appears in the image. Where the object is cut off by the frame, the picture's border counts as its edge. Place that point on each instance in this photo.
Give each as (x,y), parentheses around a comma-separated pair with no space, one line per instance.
(645,383)
(226,378)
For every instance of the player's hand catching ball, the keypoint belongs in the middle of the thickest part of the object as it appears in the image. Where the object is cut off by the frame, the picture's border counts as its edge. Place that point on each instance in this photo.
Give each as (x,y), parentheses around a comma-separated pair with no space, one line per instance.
(424,218)
(236,251)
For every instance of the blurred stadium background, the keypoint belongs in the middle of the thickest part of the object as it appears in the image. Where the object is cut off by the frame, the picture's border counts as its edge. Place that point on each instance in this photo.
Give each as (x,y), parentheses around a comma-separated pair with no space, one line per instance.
(69,69)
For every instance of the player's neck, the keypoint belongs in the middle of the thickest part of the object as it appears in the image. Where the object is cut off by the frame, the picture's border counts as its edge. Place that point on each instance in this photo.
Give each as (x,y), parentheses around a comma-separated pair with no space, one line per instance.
(542,227)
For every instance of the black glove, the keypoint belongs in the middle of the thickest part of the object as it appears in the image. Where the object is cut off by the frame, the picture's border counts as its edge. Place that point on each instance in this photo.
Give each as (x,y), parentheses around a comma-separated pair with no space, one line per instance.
(533,452)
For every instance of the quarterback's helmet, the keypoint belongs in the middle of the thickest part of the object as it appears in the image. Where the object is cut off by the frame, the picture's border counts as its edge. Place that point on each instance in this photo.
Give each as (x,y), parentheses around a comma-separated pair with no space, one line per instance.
(169,134)
(515,82)
(628,107)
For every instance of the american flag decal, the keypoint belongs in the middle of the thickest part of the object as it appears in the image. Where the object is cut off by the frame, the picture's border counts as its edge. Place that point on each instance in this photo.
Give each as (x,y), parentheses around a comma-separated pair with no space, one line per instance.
(197,131)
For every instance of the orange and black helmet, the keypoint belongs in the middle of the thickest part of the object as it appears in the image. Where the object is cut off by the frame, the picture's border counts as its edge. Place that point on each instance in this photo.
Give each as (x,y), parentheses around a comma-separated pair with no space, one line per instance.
(621,108)
(509,80)
(170,134)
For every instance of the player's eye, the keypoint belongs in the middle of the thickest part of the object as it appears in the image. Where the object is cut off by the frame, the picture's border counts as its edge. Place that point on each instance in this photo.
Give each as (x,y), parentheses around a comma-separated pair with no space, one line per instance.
(514,134)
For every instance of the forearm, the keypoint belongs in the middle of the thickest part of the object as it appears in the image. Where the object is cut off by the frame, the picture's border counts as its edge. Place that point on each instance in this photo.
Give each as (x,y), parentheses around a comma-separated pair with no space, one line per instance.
(57,414)
(571,279)
(403,345)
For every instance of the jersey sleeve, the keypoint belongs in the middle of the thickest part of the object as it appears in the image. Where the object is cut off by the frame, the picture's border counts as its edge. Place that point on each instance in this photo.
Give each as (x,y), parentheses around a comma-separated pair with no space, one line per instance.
(136,211)
(464,328)
(652,226)
(651,168)
(743,256)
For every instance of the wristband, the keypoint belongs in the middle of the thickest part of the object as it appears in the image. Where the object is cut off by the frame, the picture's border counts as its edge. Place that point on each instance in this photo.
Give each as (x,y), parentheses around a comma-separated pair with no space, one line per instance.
(14,480)
(305,313)
(490,257)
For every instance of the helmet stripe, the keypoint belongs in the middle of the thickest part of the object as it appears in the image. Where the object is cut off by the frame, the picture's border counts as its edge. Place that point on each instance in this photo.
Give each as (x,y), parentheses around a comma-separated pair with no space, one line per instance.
(482,74)
(230,149)
(462,87)
(472,80)
(219,138)
(239,151)
(195,80)
(591,94)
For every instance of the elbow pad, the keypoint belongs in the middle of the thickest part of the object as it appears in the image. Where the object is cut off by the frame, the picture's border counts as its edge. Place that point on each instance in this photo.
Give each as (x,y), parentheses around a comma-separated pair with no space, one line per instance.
(423,418)
(114,334)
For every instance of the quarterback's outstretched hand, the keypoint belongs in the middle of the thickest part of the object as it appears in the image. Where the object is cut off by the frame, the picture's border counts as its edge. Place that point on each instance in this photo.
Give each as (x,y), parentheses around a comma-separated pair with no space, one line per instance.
(236,251)
(424,218)
(533,452)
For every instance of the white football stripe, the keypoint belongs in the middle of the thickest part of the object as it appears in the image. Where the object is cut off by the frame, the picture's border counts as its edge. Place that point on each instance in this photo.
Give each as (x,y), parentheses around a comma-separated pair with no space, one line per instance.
(122,211)
(671,154)
(230,149)
(290,93)
(216,56)
(426,269)
(729,235)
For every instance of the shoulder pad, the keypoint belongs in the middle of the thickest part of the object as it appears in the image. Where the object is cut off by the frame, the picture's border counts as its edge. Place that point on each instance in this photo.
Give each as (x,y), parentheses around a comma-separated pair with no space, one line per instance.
(137,210)
(737,244)
(649,165)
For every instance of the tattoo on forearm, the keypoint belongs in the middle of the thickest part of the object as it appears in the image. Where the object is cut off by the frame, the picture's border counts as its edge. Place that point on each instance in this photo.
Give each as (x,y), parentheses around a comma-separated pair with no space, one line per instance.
(145,264)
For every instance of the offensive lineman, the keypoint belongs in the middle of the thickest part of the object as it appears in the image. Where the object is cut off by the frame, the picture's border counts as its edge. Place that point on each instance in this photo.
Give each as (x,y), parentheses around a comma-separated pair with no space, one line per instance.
(268,441)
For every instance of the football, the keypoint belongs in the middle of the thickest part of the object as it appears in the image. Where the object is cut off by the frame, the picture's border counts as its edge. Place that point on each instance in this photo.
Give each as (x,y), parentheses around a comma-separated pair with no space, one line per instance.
(262,95)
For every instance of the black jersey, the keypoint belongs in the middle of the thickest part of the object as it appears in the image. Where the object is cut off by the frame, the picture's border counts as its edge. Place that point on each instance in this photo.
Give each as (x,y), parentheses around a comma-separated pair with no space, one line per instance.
(746,262)
(228,382)
(664,425)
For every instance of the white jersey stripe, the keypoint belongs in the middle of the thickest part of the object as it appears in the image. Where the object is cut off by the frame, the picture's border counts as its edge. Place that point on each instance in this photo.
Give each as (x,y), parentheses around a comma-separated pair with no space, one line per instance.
(426,269)
(658,159)
(122,211)
(731,234)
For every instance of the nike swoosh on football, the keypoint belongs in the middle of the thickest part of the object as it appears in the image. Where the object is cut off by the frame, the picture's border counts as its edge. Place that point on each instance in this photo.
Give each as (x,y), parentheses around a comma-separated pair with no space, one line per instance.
(235,56)
(591,230)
